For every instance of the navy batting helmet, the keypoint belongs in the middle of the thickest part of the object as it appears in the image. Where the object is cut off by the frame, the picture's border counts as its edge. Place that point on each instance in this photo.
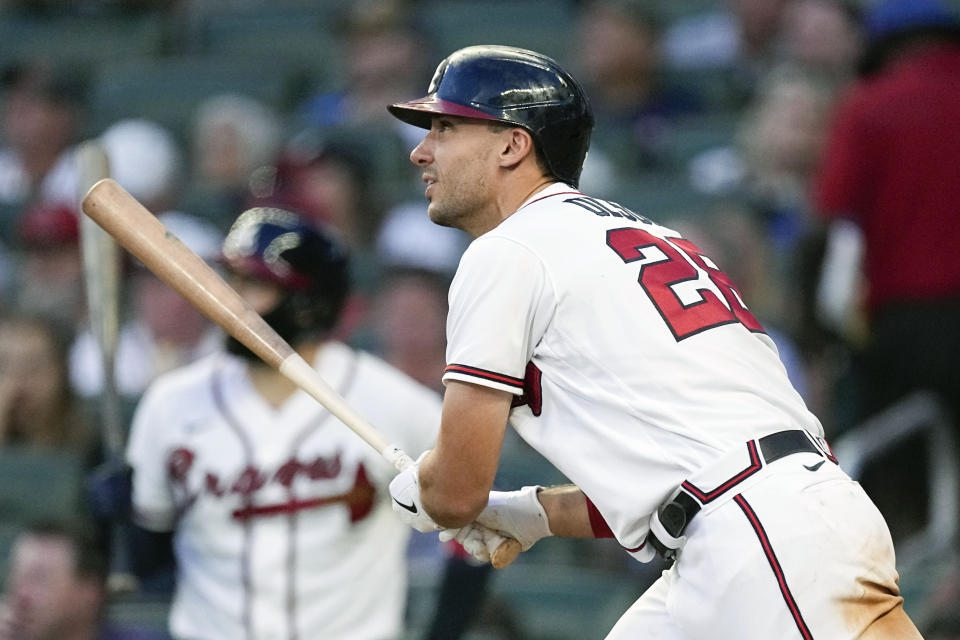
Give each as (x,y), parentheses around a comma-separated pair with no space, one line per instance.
(516,86)
(307,261)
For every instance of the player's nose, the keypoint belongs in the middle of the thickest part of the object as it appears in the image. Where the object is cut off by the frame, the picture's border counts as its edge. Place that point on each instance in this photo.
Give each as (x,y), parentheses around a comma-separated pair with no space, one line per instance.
(422,154)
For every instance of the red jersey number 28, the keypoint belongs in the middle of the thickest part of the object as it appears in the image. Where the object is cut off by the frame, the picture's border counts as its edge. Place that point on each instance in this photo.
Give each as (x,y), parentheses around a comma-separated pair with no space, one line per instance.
(682,283)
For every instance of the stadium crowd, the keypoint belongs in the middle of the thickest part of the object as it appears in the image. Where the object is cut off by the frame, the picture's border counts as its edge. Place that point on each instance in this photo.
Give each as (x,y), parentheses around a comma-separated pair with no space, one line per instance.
(808,146)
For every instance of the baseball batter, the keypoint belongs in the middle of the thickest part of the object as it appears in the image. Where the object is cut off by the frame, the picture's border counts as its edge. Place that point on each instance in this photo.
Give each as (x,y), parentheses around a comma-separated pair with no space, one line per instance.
(626,357)
(281,514)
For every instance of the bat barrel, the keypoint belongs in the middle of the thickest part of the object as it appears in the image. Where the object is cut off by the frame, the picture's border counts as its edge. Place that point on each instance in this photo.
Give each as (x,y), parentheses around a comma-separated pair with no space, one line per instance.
(139,231)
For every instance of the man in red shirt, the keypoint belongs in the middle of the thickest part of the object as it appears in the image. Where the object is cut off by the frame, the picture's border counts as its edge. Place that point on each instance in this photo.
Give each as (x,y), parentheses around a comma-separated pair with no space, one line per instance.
(891,168)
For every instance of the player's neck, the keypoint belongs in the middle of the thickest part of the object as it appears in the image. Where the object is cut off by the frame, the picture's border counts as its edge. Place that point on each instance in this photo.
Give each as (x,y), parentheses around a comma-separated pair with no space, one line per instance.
(509,200)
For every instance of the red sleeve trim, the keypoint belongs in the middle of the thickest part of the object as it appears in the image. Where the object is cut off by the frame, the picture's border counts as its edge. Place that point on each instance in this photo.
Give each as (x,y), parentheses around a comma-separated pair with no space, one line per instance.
(600,527)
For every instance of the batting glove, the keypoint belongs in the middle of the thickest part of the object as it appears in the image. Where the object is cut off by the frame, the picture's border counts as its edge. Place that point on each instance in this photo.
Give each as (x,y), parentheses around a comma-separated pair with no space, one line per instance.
(475,539)
(516,514)
(405,491)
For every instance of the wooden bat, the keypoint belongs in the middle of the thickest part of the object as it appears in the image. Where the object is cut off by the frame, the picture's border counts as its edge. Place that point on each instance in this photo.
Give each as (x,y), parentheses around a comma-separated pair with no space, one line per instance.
(101,277)
(143,235)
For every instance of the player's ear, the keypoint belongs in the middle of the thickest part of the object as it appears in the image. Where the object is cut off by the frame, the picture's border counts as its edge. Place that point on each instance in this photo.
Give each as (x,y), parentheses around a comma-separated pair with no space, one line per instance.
(516,145)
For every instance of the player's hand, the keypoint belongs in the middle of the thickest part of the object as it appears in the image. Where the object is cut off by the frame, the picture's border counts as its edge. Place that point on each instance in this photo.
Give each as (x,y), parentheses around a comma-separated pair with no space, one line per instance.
(516,514)
(477,540)
(405,494)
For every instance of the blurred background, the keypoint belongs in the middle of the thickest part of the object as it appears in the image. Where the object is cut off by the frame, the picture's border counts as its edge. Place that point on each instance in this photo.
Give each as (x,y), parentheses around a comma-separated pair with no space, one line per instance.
(735,122)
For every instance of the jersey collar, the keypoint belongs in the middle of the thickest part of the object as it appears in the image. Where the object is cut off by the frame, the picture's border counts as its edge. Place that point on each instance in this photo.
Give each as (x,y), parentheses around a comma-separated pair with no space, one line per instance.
(552,189)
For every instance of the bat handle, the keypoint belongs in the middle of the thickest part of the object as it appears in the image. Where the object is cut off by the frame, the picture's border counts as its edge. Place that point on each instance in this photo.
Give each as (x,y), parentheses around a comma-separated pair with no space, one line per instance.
(397,457)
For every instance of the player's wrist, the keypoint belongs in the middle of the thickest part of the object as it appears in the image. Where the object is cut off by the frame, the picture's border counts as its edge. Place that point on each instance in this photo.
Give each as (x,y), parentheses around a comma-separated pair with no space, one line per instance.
(406,500)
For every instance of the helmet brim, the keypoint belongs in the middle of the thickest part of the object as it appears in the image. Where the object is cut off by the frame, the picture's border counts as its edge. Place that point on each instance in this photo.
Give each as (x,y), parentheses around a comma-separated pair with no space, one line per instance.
(420,113)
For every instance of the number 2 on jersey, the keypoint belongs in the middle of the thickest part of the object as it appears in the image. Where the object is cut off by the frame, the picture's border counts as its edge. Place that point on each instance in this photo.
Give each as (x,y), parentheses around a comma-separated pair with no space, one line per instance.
(689,291)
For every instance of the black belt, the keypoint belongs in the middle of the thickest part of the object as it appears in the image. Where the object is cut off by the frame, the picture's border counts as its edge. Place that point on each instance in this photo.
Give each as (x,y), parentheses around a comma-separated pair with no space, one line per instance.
(677,514)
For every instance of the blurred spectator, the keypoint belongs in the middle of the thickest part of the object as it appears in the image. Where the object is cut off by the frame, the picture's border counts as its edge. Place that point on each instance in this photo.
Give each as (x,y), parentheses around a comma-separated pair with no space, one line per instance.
(409,239)
(43,108)
(49,277)
(782,141)
(823,37)
(888,185)
(890,169)
(740,36)
(38,407)
(385,57)
(147,161)
(411,313)
(163,330)
(56,588)
(326,181)
(776,153)
(408,311)
(635,110)
(234,138)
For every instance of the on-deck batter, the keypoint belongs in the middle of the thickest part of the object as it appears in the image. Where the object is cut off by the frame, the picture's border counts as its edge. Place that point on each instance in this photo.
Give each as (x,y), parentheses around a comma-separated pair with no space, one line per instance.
(629,360)
(283,528)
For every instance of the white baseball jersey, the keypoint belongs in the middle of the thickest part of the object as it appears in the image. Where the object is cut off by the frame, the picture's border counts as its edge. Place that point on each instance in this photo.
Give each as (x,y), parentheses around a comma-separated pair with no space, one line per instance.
(282,516)
(634,360)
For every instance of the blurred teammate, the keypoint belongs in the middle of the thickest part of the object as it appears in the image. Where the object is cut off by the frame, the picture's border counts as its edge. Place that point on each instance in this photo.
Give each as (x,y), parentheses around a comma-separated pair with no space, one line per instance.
(280,514)
(629,360)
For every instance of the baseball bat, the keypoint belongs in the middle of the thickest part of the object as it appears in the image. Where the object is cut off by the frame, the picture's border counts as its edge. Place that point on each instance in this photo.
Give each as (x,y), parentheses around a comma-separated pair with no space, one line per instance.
(101,276)
(143,235)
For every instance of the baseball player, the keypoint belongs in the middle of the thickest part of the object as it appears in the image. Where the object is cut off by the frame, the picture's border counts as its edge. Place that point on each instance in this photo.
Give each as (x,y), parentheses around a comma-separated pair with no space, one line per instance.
(281,514)
(629,360)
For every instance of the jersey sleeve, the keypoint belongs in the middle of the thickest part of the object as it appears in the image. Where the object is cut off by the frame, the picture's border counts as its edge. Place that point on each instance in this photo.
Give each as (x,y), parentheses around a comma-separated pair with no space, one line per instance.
(147,449)
(501,302)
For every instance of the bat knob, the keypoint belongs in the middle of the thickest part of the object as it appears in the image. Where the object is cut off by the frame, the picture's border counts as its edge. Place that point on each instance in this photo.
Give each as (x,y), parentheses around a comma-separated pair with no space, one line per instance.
(505,554)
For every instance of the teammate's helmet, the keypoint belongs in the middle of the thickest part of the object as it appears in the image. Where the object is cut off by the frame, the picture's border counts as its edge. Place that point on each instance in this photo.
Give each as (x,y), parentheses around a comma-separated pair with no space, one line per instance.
(307,261)
(516,86)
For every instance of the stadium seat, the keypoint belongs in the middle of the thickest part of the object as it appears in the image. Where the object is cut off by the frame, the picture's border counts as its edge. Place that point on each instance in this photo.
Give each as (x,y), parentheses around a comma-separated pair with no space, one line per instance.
(697,134)
(660,195)
(169,89)
(541,25)
(36,485)
(79,39)
(301,34)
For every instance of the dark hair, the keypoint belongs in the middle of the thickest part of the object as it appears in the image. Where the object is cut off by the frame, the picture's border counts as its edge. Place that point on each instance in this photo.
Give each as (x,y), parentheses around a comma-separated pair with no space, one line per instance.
(89,560)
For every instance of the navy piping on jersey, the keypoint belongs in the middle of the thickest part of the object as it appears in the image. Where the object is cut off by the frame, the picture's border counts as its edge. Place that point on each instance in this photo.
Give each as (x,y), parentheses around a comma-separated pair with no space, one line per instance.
(774,565)
(292,518)
(516,383)
(246,554)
